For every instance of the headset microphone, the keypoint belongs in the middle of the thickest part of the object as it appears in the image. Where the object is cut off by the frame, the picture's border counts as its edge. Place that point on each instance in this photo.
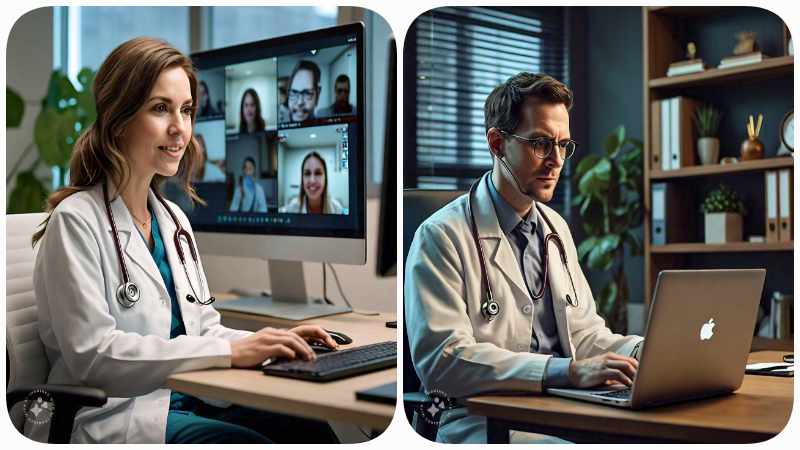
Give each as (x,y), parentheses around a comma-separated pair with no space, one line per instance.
(513,178)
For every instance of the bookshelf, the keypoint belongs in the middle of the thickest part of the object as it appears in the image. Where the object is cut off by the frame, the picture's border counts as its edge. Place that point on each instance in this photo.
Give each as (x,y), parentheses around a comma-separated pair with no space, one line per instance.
(720,170)
(666,32)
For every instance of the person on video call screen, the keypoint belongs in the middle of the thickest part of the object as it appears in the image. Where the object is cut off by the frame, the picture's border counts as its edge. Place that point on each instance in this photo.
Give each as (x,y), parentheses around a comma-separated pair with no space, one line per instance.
(250,118)
(342,103)
(206,106)
(313,197)
(249,196)
(208,171)
(303,93)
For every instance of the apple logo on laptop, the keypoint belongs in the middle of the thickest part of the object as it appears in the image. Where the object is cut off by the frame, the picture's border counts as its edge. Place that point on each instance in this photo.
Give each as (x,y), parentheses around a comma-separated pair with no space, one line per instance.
(706,332)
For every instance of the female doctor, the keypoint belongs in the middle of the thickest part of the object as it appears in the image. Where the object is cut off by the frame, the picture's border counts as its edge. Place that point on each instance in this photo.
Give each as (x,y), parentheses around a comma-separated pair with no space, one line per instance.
(110,230)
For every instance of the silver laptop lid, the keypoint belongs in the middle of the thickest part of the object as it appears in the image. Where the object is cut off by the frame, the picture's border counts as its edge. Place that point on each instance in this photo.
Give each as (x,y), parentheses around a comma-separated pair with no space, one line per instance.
(698,334)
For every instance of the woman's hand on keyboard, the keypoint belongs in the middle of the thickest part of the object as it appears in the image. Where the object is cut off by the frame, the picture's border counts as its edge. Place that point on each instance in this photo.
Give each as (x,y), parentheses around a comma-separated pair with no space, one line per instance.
(605,369)
(314,334)
(269,343)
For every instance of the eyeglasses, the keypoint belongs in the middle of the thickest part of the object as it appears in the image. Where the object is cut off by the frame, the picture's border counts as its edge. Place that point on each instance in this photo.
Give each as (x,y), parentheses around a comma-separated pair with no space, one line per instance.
(308,94)
(543,146)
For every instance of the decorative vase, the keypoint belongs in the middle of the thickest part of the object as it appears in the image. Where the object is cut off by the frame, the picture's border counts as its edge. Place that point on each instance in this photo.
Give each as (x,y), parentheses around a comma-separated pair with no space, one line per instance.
(708,149)
(752,149)
(723,227)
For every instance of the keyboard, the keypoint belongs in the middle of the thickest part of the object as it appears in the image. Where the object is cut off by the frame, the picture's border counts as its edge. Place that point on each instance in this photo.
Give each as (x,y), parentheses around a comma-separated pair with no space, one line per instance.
(621,395)
(339,364)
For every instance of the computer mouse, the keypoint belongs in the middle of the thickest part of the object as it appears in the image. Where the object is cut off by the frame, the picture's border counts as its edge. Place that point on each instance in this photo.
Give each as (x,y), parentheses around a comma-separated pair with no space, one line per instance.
(340,338)
(322,349)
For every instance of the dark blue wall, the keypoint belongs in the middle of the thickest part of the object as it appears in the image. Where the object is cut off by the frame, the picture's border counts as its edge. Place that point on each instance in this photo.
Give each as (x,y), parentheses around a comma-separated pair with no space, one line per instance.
(606,47)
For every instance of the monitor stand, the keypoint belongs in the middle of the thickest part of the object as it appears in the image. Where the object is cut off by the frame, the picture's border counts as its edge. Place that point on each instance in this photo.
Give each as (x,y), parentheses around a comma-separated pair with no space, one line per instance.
(288,301)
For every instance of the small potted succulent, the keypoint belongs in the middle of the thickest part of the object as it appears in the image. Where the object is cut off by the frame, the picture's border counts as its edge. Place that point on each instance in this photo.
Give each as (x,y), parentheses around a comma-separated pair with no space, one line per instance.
(707,119)
(724,211)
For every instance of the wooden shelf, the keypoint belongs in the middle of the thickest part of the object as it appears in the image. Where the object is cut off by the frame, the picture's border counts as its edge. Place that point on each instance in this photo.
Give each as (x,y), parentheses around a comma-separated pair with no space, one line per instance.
(715,170)
(696,247)
(761,344)
(771,68)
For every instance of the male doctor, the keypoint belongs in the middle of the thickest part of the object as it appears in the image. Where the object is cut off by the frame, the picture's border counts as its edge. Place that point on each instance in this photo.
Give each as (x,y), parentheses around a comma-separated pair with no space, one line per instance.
(530,344)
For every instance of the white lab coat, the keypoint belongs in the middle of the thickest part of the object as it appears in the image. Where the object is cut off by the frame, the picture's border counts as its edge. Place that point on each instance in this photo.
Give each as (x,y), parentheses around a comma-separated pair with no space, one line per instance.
(91,340)
(459,353)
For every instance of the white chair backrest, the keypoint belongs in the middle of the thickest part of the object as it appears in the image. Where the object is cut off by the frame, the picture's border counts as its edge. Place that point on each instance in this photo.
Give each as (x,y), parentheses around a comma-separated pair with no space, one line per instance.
(24,349)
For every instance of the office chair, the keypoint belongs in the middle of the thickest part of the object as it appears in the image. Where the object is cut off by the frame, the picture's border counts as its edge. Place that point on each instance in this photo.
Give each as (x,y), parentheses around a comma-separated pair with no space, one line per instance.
(27,366)
(418,205)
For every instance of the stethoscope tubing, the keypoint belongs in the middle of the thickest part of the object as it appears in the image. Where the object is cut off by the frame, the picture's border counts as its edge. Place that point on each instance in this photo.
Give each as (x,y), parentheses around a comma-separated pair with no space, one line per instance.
(128,292)
(491,308)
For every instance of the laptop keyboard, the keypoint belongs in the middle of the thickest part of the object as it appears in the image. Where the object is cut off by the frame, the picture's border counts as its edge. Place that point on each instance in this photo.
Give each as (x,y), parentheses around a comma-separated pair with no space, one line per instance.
(621,395)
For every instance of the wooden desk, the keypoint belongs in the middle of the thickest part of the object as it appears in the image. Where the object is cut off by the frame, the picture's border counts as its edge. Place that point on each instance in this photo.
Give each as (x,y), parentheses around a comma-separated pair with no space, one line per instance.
(758,411)
(335,400)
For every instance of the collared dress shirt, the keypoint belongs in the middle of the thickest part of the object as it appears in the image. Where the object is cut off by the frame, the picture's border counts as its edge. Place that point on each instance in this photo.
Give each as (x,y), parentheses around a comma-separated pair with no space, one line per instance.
(527,242)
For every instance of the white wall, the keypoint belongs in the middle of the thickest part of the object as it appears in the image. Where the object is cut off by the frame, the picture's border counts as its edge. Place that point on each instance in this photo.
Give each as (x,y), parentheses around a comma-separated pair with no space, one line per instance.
(29,64)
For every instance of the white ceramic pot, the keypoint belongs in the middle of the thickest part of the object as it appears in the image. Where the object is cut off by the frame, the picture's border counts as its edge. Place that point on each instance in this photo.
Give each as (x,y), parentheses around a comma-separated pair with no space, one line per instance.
(723,227)
(708,149)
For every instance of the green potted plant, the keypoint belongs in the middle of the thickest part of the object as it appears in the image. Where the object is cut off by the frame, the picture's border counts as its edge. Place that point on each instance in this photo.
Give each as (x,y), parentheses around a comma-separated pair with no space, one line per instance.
(66,112)
(610,199)
(707,119)
(724,211)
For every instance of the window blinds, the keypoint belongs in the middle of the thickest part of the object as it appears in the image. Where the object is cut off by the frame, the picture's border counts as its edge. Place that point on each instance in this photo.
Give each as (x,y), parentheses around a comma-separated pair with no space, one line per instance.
(461,54)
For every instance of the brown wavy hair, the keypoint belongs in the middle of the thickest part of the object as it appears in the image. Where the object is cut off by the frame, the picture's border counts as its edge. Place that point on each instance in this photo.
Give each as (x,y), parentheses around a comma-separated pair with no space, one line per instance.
(121,89)
(260,124)
(326,205)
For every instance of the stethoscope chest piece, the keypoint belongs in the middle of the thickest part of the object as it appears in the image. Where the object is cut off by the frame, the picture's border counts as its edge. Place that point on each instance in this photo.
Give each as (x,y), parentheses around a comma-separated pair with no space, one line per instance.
(490,309)
(128,294)
(571,302)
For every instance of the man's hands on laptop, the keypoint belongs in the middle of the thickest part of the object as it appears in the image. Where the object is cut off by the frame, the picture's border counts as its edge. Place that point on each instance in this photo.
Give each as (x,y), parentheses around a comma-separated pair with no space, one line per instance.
(602,370)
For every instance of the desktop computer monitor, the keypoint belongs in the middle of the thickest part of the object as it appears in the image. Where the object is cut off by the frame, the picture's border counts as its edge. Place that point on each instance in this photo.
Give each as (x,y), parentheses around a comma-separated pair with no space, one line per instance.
(387,234)
(282,126)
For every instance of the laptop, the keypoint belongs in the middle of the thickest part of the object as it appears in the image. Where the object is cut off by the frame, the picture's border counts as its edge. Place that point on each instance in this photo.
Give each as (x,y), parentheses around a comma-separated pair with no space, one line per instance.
(697,339)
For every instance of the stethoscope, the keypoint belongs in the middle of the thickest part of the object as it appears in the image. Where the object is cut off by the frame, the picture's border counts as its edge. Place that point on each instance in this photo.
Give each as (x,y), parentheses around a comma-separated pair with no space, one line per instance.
(490,307)
(128,292)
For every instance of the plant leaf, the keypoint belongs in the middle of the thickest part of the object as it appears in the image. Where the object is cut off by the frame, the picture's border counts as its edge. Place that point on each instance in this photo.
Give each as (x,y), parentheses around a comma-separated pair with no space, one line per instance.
(608,243)
(28,195)
(605,299)
(15,108)
(51,131)
(577,200)
(586,246)
(600,261)
(635,243)
(603,170)
(586,163)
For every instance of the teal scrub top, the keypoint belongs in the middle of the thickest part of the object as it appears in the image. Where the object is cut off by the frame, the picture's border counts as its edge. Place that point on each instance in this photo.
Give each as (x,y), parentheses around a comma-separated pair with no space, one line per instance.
(160,258)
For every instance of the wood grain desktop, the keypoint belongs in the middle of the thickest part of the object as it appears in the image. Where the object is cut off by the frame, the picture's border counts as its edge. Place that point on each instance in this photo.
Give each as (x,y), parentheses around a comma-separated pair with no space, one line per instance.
(334,400)
(758,411)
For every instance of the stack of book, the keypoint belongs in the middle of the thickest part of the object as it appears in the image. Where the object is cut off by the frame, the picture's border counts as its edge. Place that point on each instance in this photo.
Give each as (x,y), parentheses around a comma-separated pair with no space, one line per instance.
(685,67)
(742,60)
(672,142)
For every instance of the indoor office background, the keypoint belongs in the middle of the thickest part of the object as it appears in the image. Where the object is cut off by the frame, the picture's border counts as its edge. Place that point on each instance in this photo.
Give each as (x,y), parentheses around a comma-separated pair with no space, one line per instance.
(70,38)
(453,57)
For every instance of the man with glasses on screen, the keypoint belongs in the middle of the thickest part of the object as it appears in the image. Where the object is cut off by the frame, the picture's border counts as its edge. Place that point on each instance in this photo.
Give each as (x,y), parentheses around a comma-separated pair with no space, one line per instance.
(539,329)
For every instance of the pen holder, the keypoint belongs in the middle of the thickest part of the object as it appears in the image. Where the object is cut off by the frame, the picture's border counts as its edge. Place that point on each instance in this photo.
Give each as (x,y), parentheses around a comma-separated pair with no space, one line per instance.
(752,149)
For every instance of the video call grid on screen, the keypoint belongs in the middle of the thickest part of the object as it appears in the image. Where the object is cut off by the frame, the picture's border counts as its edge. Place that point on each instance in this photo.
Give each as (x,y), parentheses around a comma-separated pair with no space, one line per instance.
(288,116)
